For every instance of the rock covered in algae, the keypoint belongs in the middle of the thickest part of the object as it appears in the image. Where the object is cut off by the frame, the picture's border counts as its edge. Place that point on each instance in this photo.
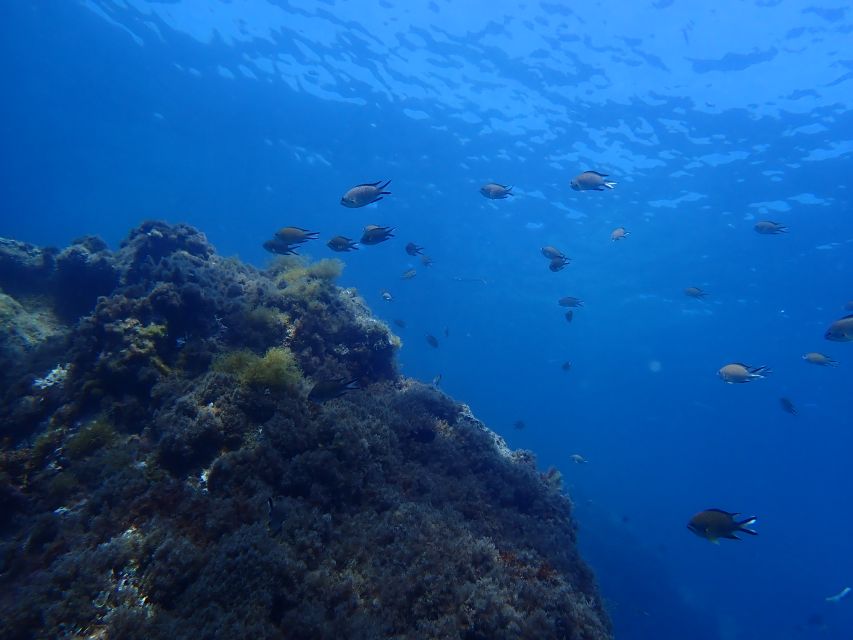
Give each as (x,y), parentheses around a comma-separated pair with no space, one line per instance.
(156,493)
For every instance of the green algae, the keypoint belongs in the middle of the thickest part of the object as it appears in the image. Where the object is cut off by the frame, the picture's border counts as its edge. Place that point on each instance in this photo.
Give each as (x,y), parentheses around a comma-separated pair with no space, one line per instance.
(277,369)
(95,435)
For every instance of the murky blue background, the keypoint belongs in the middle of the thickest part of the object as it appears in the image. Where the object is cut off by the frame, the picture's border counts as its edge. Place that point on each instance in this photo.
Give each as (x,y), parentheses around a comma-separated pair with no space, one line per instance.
(241,117)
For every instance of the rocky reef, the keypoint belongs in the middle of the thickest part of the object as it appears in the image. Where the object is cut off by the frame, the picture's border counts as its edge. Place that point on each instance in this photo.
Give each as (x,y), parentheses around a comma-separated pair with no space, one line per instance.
(164,474)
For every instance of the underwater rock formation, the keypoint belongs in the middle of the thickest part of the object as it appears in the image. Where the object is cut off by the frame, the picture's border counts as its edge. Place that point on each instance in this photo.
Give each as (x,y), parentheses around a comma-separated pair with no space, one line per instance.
(168,477)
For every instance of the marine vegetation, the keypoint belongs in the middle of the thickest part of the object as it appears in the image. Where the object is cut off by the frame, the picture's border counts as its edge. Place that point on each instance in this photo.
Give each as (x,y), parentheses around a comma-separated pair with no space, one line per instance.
(169,476)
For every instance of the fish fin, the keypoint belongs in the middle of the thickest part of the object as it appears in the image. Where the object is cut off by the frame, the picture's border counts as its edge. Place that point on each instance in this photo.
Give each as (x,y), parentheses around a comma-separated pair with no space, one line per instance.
(381,187)
(721,511)
(599,189)
(609,184)
(385,193)
(375,200)
(742,526)
(847,317)
(731,536)
(603,175)
(371,184)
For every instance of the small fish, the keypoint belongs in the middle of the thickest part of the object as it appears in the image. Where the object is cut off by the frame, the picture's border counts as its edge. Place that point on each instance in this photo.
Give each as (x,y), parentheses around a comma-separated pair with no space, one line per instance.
(840,595)
(426,261)
(569,315)
(413,250)
(340,243)
(519,425)
(552,252)
(769,228)
(332,388)
(558,264)
(618,233)
(591,181)
(820,359)
(566,366)
(570,301)
(446,332)
(738,372)
(408,275)
(436,381)
(695,292)
(400,323)
(840,330)
(432,340)
(577,458)
(279,246)
(374,234)
(494,191)
(296,235)
(386,295)
(364,194)
(713,524)
(788,406)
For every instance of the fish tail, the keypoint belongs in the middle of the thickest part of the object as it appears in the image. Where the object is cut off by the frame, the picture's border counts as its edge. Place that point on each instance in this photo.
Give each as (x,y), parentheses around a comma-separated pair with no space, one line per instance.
(742,526)
(381,187)
(609,184)
(760,372)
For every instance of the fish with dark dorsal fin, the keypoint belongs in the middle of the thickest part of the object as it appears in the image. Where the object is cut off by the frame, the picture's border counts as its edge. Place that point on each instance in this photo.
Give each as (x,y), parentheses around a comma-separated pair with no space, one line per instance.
(296,235)
(558,264)
(591,181)
(619,233)
(820,359)
(713,524)
(280,247)
(365,194)
(570,301)
(841,330)
(552,252)
(737,372)
(495,191)
(414,250)
(788,406)
(341,243)
(769,228)
(331,388)
(374,234)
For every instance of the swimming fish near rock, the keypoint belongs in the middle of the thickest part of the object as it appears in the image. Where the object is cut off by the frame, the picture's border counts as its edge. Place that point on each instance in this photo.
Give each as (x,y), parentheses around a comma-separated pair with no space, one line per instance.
(566,366)
(432,340)
(495,191)
(340,243)
(820,359)
(788,406)
(840,330)
(331,388)
(570,301)
(364,194)
(374,234)
(591,181)
(695,292)
(280,247)
(738,372)
(427,261)
(296,235)
(569,315)
(413,250)
(619,233)
(409,274)
(386,295)
(713,524)
(769,228)
(577,458)
(519,425)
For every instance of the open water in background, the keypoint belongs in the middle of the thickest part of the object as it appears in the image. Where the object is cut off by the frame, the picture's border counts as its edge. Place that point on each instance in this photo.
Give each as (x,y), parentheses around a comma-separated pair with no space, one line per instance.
(241,117)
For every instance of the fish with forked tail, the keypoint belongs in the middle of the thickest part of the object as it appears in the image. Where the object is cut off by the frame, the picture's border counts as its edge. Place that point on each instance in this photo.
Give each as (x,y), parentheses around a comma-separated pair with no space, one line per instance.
(713,524)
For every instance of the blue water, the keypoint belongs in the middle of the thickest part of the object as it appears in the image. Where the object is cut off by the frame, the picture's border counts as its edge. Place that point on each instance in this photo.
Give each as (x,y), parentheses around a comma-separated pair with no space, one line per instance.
(241,117)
